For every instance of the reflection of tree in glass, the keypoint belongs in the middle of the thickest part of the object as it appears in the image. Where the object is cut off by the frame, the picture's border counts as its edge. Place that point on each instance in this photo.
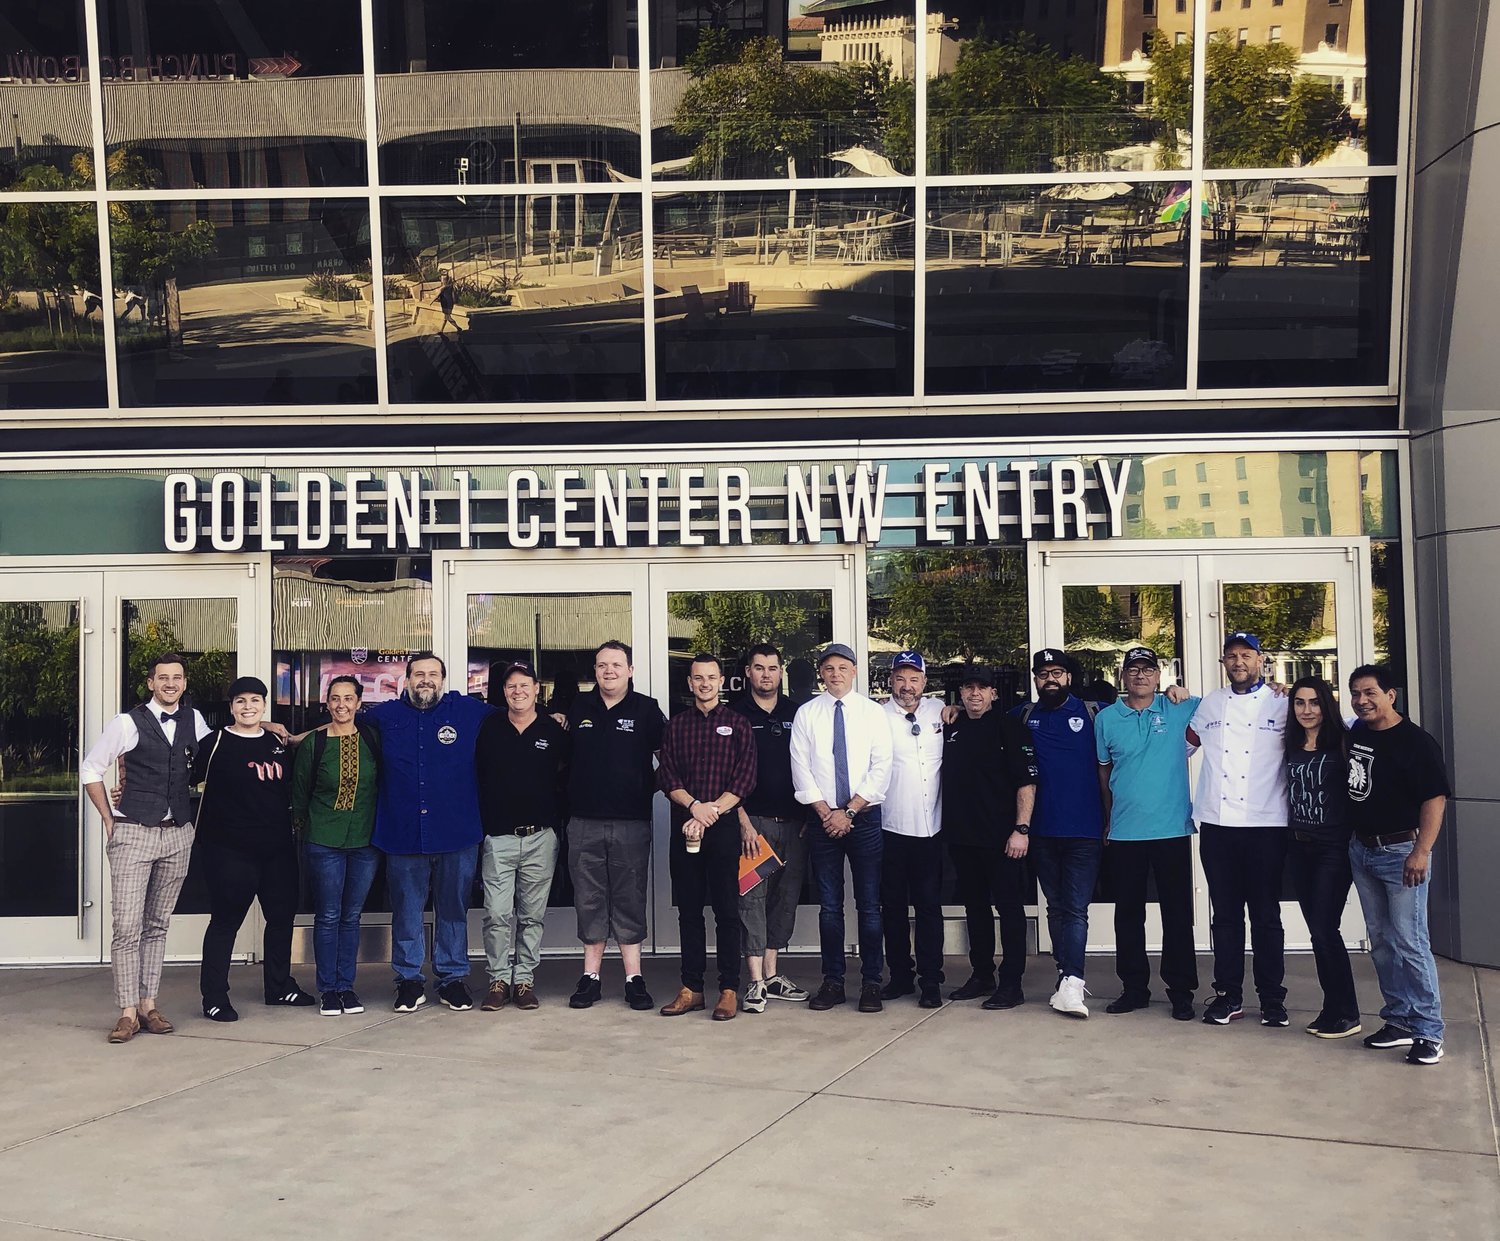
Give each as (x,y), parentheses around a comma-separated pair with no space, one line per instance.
(1258,110)
(729,621)
(208,672)
(1114,617)
(950,603)
(750,110)
(1285,616)
(51,250)
(38,694)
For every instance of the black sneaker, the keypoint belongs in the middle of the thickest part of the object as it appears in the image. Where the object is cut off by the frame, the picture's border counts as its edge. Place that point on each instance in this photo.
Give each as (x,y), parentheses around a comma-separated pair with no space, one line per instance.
(292,997)
(977,986)
(931,997)
(587,993)
(332,1005)
(455,994)
(636,994)
(1007,996)
(1389,1036)
(411,994)
(1221,1010)
(1424,1051)
(1182,1008)
(869,998)
(1273,1014)
(830,995)
(219,1010)
(1127,1003)
(897,988)
(351,1002)
(1334,1027)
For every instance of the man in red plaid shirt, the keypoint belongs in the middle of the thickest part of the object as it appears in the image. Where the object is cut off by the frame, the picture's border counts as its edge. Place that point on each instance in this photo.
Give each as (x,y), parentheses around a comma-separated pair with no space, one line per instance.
(707,766)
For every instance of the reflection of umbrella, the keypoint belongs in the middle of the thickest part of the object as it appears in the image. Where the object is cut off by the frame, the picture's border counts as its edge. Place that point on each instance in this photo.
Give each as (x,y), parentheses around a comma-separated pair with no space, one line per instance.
(1090,191)
(1308,188)
(865,162)
(1175,206)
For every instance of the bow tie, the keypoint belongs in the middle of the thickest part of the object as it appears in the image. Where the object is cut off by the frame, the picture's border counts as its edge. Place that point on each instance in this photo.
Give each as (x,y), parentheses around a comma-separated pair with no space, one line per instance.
(168,718)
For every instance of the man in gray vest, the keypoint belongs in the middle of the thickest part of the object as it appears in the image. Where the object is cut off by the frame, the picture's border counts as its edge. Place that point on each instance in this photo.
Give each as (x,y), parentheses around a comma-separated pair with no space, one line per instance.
(149,839)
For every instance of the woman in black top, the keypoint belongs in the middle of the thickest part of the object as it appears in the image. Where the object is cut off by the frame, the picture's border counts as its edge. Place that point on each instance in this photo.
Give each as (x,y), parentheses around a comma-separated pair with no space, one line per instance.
(1317,787)
(247,849)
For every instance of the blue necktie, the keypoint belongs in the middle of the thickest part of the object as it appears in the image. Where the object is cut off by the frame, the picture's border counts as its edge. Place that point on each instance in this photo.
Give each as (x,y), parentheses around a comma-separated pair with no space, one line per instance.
(840,756)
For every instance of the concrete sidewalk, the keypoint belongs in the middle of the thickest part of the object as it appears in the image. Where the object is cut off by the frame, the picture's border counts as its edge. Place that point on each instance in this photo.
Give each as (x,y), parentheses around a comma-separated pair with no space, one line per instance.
(953,1123)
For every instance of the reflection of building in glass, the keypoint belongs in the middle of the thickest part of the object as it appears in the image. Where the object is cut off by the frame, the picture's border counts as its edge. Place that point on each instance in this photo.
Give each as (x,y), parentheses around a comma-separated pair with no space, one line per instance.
(865,31)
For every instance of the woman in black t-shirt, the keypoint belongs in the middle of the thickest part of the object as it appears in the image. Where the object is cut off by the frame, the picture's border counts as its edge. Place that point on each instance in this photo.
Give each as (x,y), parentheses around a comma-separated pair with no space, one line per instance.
(1317,787)
(247,849)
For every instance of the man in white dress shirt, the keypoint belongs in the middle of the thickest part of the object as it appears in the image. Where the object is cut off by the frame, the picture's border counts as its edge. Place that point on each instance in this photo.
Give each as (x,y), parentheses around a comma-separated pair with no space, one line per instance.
(1241,808)
(149,840)
(841,765)
(911,817)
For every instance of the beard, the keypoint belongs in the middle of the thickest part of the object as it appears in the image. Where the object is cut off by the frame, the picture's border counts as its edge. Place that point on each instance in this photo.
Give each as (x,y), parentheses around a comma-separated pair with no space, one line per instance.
(1053,695)
(424,698)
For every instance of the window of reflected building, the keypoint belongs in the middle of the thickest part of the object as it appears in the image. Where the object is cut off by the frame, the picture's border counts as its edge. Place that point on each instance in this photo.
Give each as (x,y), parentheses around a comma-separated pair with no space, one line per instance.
(243,302)
(752,88)
(204,94)
(784,294)
(46,126)
(51,313)
(473,92)
(1057,287)
(1086,86)
(1297,282)
(509,298)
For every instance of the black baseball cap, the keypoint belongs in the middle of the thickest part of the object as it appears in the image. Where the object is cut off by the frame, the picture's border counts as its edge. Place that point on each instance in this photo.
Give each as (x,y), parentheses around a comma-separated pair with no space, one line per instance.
(1051,657)
(977,674)
(1140,655)
(519,665)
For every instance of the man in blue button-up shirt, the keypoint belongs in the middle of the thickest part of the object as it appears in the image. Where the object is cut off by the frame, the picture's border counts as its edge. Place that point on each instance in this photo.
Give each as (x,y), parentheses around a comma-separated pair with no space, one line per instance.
(427,823)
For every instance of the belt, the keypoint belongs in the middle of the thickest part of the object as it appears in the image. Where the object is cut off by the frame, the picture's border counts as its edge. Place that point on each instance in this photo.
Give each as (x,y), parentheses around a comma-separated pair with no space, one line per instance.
(1393,838)
(530,829)
(158,823)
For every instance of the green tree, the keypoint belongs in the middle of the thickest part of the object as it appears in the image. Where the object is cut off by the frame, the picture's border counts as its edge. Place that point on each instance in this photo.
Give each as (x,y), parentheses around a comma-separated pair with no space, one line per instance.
(1285,616)
(955,603)
(729,621)
(38,690)
(1258,110)
(50,248)
(208,672)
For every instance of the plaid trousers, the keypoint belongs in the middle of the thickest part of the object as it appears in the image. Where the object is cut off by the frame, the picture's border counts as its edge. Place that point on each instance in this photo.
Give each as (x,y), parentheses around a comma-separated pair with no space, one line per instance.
(147,866)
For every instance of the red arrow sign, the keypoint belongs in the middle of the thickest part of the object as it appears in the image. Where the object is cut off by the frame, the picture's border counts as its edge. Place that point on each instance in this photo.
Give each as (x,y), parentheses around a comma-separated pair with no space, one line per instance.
(274,66)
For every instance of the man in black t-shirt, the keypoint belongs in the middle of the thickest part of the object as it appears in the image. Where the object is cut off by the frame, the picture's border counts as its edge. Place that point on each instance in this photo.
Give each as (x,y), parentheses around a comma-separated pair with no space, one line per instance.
(989,791)
(1398,788)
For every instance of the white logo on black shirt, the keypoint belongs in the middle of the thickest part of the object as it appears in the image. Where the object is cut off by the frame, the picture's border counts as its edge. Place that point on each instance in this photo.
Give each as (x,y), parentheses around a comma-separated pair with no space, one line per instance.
(625,726)
(1361,775)
(542,743)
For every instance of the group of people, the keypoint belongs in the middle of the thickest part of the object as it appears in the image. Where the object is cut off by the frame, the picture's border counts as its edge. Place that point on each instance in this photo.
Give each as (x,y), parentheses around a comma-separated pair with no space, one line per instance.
(443,784)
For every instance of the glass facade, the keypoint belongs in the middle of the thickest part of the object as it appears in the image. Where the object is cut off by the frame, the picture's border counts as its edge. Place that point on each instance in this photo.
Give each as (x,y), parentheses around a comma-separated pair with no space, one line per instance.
(741,203)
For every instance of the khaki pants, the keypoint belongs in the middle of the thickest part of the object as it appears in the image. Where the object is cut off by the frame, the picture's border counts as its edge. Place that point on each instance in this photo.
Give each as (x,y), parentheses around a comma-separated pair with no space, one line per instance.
(147,867)
(517,875)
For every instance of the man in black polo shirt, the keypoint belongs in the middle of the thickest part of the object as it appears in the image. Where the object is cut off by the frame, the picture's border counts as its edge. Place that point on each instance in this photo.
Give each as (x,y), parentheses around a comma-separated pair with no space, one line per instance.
(989,791)
(616,733)
(521,758)
(769,910)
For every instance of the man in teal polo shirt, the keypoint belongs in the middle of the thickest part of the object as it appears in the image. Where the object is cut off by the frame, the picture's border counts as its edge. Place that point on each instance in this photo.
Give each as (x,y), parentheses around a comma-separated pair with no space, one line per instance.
(1142,749)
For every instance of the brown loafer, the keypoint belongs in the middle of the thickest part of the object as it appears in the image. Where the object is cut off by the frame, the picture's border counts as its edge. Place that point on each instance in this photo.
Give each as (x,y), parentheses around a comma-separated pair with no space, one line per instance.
(727,1006)
(686,1002)
(154,1023)
(497,998)
(125,1030)
(526,996)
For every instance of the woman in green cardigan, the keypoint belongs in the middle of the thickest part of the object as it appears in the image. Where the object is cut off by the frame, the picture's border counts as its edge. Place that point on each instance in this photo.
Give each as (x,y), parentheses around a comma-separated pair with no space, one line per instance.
(333,804)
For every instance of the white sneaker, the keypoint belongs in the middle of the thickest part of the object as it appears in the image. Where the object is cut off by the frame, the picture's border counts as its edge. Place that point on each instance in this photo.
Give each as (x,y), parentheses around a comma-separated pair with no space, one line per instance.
(755,997)
(780,987)
(1068,998)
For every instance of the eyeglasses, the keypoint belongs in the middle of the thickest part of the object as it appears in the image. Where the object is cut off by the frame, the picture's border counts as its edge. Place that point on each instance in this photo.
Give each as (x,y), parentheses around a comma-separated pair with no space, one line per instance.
(911,718)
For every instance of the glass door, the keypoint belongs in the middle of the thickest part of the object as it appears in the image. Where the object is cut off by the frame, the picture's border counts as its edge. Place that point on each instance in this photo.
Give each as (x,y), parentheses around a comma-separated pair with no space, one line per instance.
(1308,602)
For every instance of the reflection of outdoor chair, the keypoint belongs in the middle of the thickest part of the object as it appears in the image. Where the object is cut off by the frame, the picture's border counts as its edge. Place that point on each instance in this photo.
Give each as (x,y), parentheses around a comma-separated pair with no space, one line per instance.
(740,300)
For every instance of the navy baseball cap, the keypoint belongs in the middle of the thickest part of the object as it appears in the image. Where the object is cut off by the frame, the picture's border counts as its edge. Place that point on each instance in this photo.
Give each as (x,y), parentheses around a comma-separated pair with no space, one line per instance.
(1240,638)
(836,650)
(1140,655)
(1050,657)
(909,659)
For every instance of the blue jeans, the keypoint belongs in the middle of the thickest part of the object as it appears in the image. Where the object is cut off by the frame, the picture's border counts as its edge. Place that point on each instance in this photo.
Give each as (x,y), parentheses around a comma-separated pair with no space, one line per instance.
(340,880)
(863,847)
(1067,868)
(450,878)
(1396,919)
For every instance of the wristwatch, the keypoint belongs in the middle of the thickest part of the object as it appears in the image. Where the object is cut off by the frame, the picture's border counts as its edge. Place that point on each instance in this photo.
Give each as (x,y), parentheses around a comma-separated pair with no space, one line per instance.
(849,810)
(1024,828)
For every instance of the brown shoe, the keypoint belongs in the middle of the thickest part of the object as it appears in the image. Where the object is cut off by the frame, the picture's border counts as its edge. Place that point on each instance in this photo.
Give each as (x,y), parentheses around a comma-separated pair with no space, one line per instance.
(526,996)
(125,1030)
(154,1023)
(498,997)
(686,1002)
(727,1006)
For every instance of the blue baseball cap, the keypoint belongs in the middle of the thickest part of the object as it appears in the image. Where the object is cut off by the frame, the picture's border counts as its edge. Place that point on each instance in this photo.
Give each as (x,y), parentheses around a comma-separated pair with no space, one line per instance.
(909,659)
(1240,638)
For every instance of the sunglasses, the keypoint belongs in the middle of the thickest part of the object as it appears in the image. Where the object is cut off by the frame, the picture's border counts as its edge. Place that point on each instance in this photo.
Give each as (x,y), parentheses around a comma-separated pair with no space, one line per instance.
(911,718)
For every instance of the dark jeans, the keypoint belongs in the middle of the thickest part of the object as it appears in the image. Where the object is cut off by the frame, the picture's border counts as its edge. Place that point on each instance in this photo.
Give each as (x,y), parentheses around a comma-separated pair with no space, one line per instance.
(1321,878)
(1067,867)
(986,877)
(911,873)
(449,877)
(1244,866)
(1129,863)
(710,876)
(863,847)
(341,881)
(234,879)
